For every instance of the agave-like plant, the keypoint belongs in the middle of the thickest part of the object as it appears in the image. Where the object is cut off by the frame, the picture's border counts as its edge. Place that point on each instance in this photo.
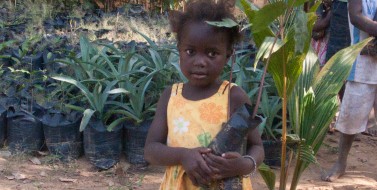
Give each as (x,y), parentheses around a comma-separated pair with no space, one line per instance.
(137,109)
(83,65)
(95,75)
(270,107)
(150,71)
(98,99)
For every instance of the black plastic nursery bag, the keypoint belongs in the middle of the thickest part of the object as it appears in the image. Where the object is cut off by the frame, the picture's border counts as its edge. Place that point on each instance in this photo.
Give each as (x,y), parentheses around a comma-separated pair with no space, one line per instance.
(101,147)
(232,138)
(25,133)
(134,142)
(62,134)
(3,112)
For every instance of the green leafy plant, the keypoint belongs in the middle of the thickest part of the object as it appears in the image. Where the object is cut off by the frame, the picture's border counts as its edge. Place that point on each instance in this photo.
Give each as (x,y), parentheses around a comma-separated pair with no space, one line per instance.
(283,46)
(282,32)
(98,84)
(27,85)
(173,4)
(137,79)
(6,44)
(98,99)
(58,96)
(29,47)
(314,103)
(137,109)
(22,80)
(149,71)
(130,76)
(1,70)
(243,73)
(245,76)
(270,108)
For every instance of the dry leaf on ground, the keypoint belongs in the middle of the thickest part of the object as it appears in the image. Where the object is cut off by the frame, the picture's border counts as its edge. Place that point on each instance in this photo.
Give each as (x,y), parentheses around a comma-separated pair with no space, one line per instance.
(19,175)
(35,161)
(67,180)
(10,177)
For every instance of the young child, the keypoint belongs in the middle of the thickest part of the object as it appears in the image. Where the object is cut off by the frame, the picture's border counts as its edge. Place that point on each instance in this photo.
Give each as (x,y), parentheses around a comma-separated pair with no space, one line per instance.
(190,115)
(320,33)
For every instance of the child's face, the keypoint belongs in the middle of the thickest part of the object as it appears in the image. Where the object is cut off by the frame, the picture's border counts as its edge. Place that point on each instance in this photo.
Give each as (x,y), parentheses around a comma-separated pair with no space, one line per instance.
(203,53)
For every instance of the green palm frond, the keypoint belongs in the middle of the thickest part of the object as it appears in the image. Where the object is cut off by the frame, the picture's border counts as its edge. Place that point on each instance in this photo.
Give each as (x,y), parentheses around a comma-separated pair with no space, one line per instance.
(313,103)
(268,175)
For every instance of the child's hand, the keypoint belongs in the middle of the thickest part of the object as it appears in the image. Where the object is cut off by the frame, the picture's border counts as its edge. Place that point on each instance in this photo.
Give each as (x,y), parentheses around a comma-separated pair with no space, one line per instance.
(229,164)
(195,166)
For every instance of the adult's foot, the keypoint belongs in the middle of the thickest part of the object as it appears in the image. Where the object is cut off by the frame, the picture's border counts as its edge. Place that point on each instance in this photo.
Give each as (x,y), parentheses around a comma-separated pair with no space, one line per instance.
(336,171)
(371,132)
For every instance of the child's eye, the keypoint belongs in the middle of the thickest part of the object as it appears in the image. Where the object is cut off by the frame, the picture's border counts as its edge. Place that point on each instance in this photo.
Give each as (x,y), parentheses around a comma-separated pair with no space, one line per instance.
(189,51)
(212,54)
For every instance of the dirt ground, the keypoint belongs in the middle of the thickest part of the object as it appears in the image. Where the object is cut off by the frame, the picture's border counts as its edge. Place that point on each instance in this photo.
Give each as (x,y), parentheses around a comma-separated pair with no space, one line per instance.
(45,172)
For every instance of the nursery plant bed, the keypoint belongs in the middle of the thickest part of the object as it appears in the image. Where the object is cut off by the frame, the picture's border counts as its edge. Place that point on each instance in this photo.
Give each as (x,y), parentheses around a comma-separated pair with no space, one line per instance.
(81,174)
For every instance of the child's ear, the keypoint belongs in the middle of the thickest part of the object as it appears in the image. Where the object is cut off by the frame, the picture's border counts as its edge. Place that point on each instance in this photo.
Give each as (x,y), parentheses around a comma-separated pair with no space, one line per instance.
(229,53)
(174,17)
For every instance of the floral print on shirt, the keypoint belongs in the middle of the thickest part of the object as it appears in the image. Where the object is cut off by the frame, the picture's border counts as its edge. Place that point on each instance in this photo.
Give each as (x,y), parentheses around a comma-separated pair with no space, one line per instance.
(180,125)
(211,112)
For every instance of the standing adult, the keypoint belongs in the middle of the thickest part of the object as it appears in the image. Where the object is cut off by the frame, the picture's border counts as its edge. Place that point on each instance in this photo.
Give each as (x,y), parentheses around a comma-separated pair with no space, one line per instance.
(361,88)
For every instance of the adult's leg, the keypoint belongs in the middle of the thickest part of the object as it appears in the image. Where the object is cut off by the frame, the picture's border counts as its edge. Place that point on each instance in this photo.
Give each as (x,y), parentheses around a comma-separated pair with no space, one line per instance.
(339,168)
(353,117)
(372,122)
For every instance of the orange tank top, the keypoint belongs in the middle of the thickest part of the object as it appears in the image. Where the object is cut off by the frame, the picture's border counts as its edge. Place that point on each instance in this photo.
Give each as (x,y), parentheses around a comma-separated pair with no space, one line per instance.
(194,124)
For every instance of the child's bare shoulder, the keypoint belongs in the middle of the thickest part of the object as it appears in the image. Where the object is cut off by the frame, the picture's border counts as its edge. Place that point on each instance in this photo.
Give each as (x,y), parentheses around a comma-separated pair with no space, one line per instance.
(166,93)
(238,96)
(162,103)
(237,92)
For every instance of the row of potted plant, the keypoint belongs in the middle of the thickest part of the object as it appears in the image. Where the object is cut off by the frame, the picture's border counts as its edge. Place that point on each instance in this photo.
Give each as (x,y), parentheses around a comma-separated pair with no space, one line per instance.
(115,89)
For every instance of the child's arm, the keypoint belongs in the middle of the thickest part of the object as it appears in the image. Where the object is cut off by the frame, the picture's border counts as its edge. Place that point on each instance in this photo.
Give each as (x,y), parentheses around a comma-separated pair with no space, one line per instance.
(233,164)
(322,22)
(156,151)
(359,20)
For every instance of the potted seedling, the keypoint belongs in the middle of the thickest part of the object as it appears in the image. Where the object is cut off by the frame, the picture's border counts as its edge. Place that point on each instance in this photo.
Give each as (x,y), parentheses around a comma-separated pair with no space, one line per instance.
(270,108)
(283,39)
(102,128)
(101,145)
(30,53)
(56,48)
(61,123)
(248,77)
(144,74)
(161,64)
(24,127)
(5,53)
(139,111)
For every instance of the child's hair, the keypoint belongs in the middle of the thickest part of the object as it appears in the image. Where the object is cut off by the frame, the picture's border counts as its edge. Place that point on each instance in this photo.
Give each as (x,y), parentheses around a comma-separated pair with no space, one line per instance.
(205,10)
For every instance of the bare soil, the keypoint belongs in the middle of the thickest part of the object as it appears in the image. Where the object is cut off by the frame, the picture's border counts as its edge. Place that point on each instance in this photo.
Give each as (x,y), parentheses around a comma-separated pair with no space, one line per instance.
(24,172)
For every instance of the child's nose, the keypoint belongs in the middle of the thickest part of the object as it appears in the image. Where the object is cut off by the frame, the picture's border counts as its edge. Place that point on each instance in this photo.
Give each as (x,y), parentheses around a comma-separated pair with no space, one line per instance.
(200,61)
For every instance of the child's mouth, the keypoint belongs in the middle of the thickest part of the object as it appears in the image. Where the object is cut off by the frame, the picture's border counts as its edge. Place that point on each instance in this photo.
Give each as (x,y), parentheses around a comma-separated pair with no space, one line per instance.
(198,75)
